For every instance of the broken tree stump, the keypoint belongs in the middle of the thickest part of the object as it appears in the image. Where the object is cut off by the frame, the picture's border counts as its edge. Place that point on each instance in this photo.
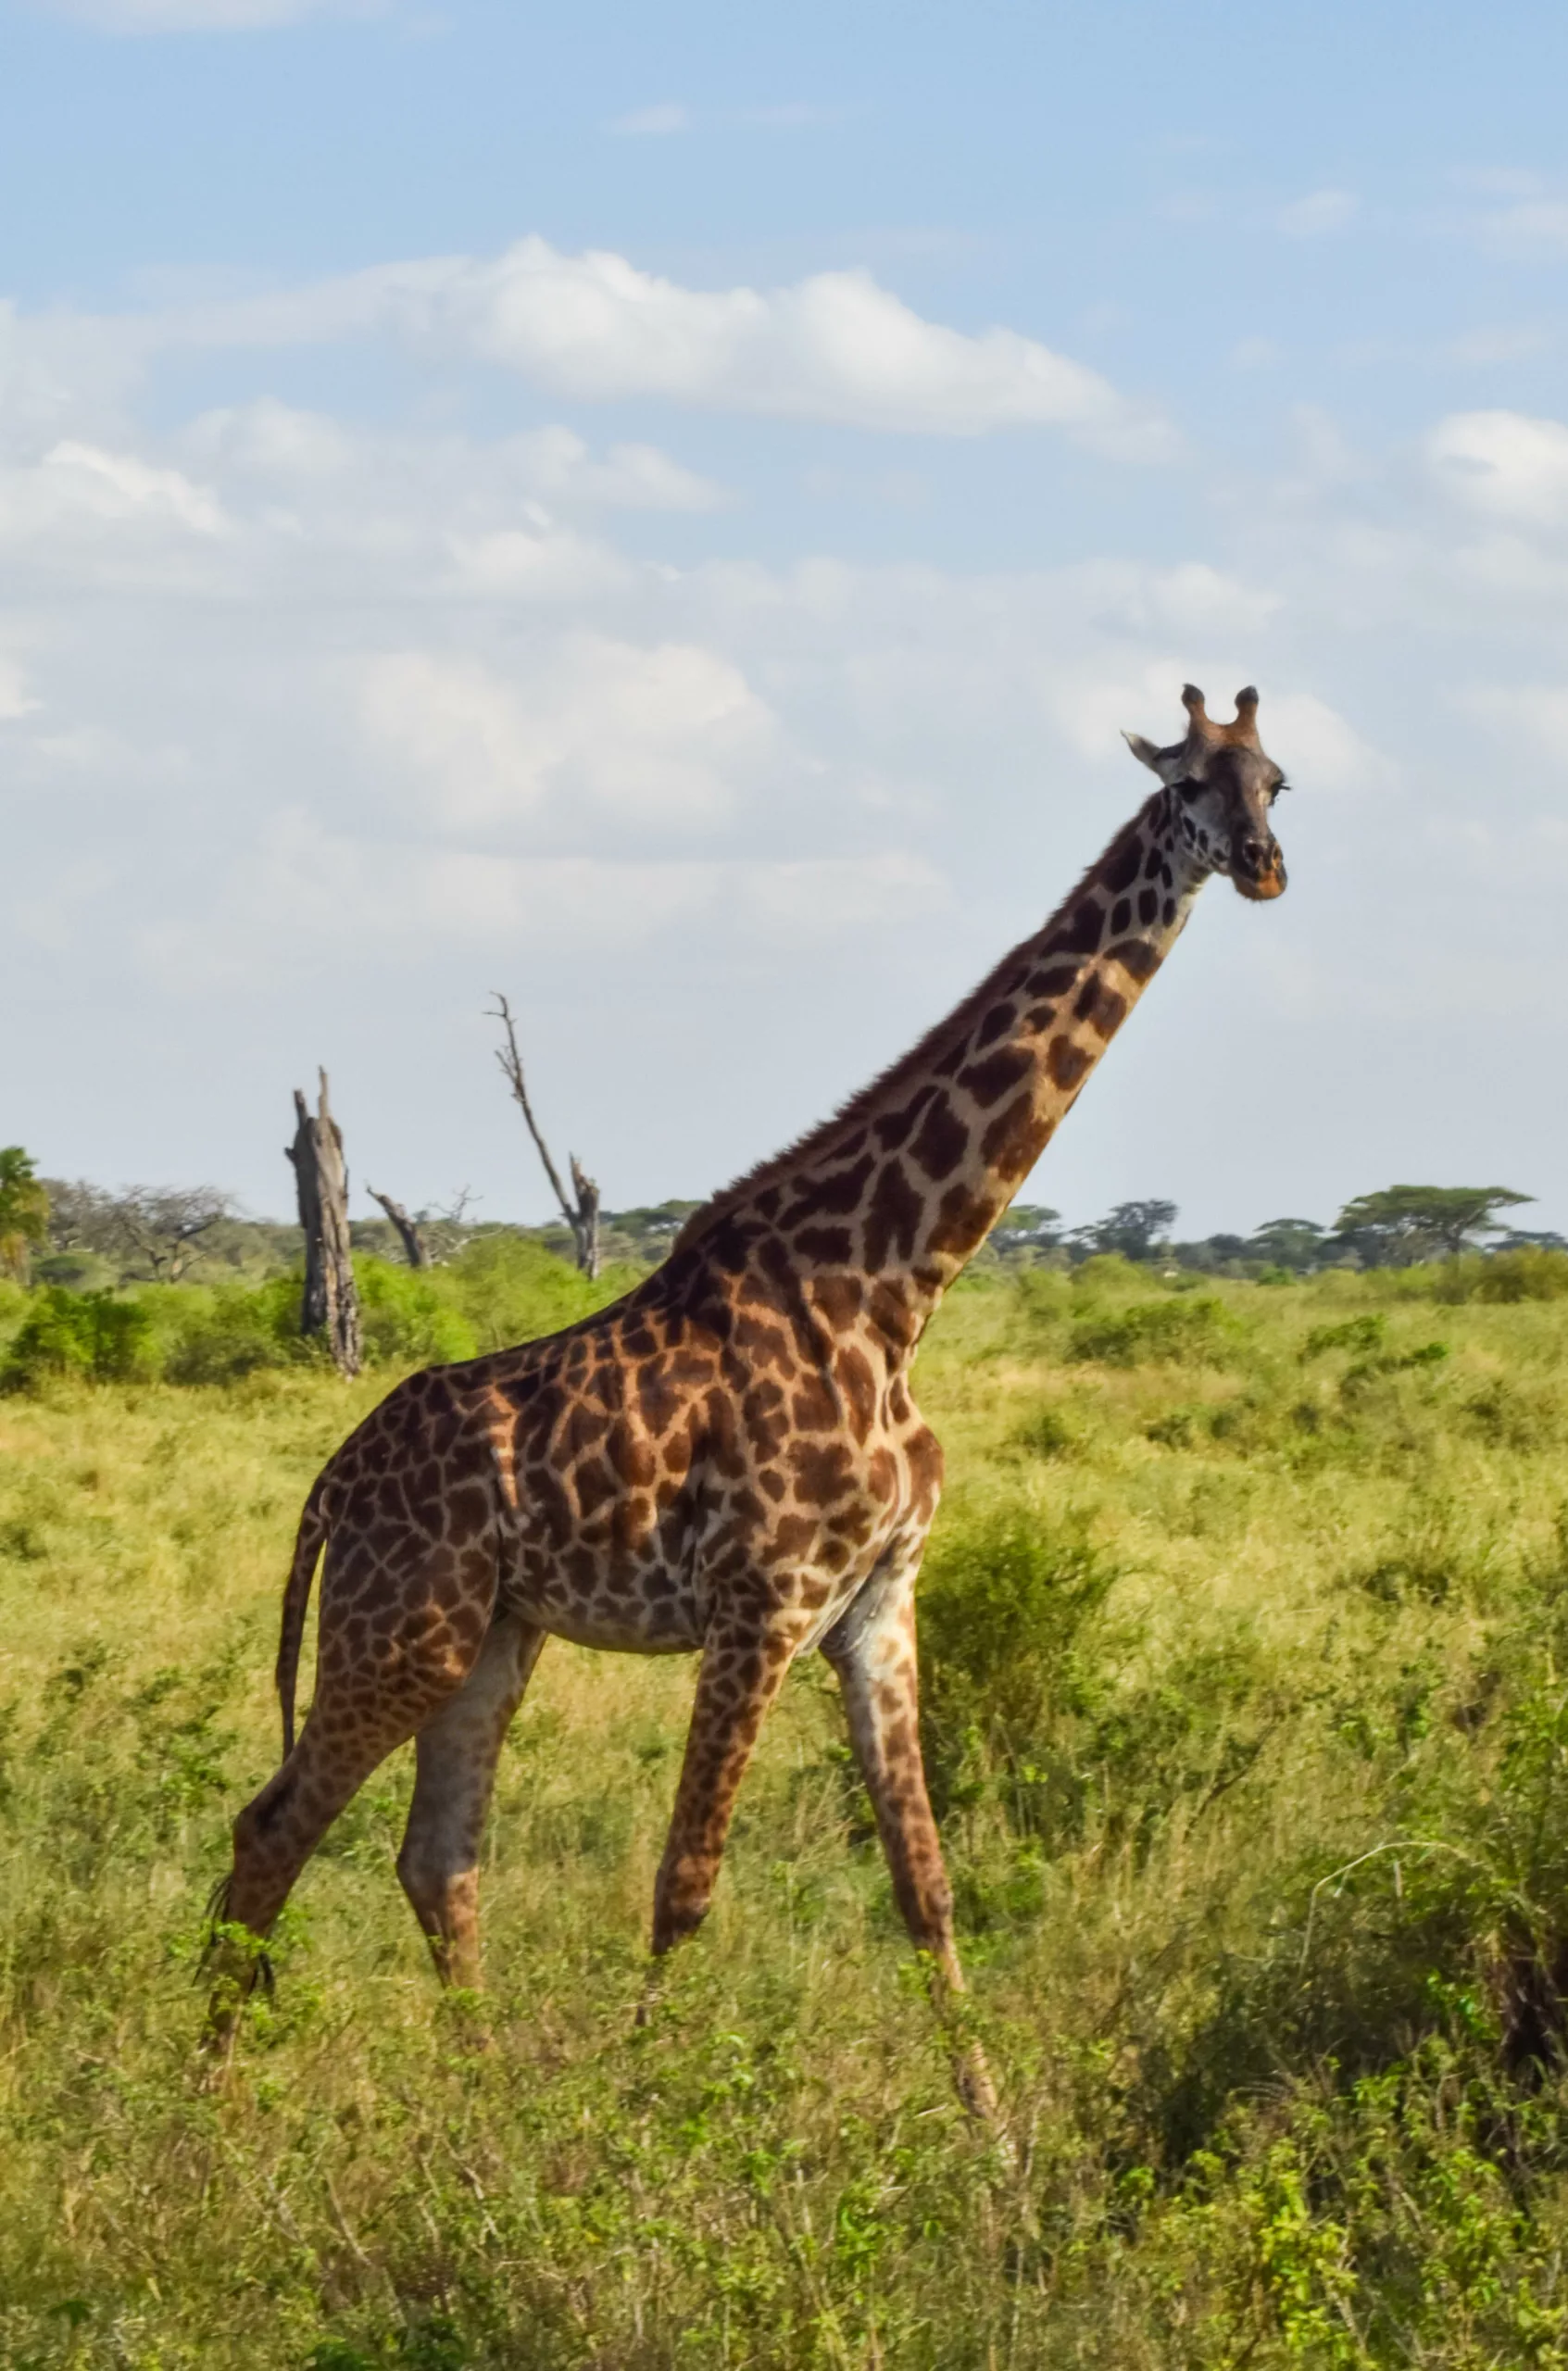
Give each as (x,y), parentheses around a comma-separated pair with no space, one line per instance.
(331,1305)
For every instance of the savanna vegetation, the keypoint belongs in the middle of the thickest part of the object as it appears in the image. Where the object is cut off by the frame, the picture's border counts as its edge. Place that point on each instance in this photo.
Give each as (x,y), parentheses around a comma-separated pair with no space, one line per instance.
(1245,1632)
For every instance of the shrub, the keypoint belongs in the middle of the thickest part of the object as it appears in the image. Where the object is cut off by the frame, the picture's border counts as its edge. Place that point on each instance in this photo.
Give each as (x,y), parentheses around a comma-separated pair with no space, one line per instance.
(95,1336)
(219,1335)
(1003,1599)
(511,1290)
(1363,1335)
(410,1317)
(1530,1273)
(1180,1332)
(502,1289)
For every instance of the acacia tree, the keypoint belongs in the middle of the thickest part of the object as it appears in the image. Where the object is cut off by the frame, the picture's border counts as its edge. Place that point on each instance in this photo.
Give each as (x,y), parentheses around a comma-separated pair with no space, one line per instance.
(24,1212)
(1286,1243)
(582,1212)
(151,1233)
(1138,1230)
(165,1227)
(1031,1223)
(1407,1224)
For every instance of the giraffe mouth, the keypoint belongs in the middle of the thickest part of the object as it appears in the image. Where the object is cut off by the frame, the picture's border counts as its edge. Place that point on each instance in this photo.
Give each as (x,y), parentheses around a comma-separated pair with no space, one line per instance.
(1260,887)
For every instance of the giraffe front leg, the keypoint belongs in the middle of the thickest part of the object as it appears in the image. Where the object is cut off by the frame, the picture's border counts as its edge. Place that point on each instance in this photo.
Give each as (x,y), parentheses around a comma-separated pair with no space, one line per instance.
(740,1675)
(456,1754)
(873,1650)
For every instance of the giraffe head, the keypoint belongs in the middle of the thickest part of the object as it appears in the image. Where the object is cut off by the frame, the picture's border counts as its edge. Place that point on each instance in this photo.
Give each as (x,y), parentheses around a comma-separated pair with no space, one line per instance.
(1225,785)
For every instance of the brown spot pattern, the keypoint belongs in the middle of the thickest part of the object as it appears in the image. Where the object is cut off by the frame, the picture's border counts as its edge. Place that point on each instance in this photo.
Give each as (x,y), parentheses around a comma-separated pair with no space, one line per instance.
(727,1462)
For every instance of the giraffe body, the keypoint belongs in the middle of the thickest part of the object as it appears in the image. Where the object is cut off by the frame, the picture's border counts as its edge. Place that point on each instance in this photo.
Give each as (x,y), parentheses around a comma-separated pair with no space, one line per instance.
(729,1461)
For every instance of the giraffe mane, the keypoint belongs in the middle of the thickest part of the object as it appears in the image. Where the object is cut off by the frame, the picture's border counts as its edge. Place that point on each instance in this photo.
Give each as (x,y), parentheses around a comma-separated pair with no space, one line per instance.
(863,1105)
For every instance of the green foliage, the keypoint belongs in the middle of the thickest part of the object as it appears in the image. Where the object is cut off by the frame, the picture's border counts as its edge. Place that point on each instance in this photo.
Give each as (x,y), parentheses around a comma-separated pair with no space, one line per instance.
(1197,1331)
(510,1289)
(1529,1272)
(409,1317)
(95,1336)
(1405,1223)
(1245,1705)
(501,1289)
(24,1210)
(1004,1597)
(1364,1334)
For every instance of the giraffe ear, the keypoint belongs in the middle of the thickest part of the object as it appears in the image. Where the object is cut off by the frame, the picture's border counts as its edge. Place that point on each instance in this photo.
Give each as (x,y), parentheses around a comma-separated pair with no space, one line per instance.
(1146,753)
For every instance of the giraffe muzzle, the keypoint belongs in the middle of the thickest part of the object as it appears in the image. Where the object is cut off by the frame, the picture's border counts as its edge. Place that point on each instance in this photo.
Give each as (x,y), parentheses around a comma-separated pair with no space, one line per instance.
(1258,868)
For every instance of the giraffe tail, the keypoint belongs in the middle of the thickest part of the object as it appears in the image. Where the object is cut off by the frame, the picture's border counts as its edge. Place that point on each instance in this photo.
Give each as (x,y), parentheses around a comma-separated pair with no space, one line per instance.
(313,1527)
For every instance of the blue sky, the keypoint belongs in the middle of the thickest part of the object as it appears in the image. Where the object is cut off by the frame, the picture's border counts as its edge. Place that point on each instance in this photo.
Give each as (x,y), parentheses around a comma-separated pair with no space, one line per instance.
(666,512)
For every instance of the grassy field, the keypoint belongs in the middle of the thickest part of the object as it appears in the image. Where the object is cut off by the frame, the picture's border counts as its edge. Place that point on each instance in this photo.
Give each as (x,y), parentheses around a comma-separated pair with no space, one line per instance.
(1245,1627)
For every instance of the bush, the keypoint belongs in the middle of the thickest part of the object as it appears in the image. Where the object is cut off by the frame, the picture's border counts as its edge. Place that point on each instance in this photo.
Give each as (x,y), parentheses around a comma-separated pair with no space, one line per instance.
(1003,1599)
(410,1317)
(501,1289)
(1531,1272)
(96,1337)
(511,1290)
(1179,1332)
(220,1334)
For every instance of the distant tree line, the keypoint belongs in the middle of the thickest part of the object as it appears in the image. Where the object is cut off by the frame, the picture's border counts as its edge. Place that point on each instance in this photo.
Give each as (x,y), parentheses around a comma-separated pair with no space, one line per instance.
(68,1231)
(1400,1227)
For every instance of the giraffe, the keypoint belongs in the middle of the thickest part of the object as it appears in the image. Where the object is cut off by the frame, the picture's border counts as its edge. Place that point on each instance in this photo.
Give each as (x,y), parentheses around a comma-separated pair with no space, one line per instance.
(728,1462)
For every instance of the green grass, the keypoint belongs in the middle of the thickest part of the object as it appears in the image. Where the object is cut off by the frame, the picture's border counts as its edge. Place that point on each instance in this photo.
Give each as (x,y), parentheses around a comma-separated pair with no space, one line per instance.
(1245,1633)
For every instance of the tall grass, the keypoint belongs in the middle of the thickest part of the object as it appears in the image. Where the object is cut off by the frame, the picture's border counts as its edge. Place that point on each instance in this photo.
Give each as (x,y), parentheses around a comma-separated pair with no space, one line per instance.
(1244,1638)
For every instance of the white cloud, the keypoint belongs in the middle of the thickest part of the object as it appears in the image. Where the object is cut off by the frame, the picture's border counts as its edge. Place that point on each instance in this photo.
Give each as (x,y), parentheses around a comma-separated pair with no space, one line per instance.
(1317,215)
(270,439)
(836,346)
(1534,714)
(1502,462)
(204,15)
(630,477)
(538,564)
(657,735)
(1533,227)
(1320,748)
(396,697)
(1093,710)
(1485,348)
(655,122)
(314,887)
(15,700)
(80,489)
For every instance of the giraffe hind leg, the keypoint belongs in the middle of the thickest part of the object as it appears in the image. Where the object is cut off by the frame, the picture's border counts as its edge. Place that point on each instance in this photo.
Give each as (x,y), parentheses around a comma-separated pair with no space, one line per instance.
(456,1755)
(392,1648)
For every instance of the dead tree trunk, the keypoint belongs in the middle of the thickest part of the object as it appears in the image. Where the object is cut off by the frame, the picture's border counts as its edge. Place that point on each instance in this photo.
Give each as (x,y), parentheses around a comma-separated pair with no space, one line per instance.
(581,1215)
(331,1305)
(408,1229)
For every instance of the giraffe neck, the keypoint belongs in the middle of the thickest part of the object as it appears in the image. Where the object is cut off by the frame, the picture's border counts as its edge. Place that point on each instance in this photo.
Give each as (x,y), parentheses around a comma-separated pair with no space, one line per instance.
(905,1184)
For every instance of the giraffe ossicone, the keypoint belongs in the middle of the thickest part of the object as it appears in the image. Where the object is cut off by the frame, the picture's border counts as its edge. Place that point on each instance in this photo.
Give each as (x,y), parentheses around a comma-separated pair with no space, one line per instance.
(728,1462)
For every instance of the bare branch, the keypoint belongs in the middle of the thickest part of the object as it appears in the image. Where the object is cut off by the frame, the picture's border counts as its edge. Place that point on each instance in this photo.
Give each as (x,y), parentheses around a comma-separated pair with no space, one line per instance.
(408,1228)
(581,1216)
(511,1061)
